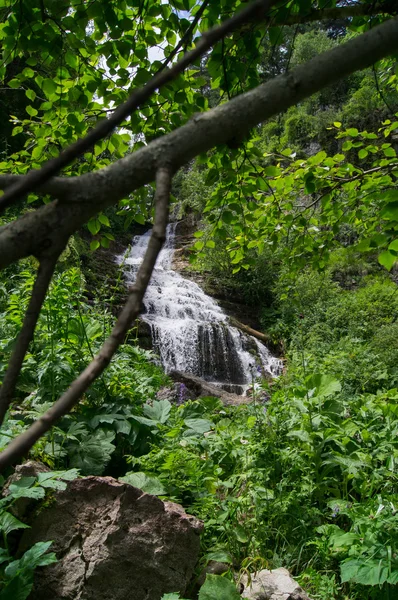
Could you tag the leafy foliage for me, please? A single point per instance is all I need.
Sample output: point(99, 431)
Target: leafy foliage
point(16, 575)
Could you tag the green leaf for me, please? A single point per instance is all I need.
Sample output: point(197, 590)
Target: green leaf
point(394, 246)
point(10, 523)
point(23, 489)
point(275, 35)
point(212, 176)
point(71, 60)
point(36, 556)
point(199, 425)
point(31, 111)
point(18, 587)
point(363, 153)
point(94, 245)
point(49, 87)
point(159, 411)
point(326, 385)
point(390, 211)
point(92, 453)
point(31, 94)
point(272, 171)
point(220, 556)
point(228, 217)
point(240, 534)
point(14, 83)
point(387, 260)
point(353, 132)
point(389, 152)
point(218, 588)
point(94, 226)
point(104, 220)
point(146, 483)
point(364, 571)
point(139, 218)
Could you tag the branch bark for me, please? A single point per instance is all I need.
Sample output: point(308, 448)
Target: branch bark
point(39, 291)
point(342, 12)
point(92, 192)
point(30, 182)
point(23, 443)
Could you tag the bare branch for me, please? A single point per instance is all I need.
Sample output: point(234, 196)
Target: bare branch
point(186, 38)
point(94, 191)
point(39, 291)
point(254, 11)
point(23, 443)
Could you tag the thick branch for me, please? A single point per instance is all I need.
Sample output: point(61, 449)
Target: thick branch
point(39, 291)
point(254, 11)
point(92, 192)
point(342, 12)
point(59, 187)
point(23, 443)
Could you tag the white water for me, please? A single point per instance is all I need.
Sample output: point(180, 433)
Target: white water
point(190, 332)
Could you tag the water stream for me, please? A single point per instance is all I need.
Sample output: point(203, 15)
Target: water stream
point(190, 332)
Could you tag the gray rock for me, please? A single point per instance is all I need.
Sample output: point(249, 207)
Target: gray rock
point(113, 541)
point(214, 568)
point(199, 387)
point(273, 585)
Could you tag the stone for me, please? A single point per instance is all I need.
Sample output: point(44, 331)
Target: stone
point(199, 387)
point(113, 541)
point(273, 585)
point(214, 567)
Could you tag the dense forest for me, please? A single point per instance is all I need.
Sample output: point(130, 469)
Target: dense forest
point(275, 137)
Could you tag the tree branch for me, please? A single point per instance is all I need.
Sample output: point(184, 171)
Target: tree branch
point(25, 336)
point(92, 192)
point(341, 12)
point(59, 187)
point(254, 11)
point(186, 38)
point(23, 443)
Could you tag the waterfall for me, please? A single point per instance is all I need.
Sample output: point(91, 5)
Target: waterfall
point(190, 332)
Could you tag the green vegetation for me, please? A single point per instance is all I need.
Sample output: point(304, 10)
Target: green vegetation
point(299, 221)
point(306, 480)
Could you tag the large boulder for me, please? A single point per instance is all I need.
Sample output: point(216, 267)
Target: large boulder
point(113, 541)
point(272, 585)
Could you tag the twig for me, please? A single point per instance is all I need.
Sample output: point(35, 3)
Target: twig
point(256, 10)
point(39, 291)
point(24, 442)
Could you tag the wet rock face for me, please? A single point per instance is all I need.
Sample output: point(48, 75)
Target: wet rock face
point(113, 541)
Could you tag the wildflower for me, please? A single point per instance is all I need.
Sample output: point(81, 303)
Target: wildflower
point(242, 441)
point(182, 394)
point(335, 512)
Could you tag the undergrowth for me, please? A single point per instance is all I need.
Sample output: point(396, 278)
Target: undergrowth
point(306, 480)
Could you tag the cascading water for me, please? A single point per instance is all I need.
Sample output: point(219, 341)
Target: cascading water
point(189, 330)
